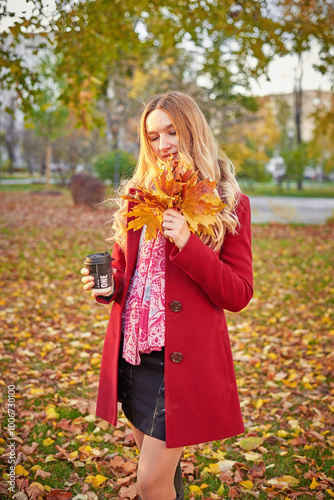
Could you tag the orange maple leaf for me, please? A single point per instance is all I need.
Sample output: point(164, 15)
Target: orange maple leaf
point(178, 188)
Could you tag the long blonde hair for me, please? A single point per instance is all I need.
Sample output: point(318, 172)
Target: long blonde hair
point(198, 147)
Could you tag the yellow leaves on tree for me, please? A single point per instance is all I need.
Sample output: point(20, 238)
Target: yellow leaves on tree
point(177, 188)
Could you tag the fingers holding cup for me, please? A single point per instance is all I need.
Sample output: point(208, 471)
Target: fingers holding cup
point(88, 280)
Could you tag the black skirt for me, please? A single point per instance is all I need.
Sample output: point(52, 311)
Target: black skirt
point(141, 389)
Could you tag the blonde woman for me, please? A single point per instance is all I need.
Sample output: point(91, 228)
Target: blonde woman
point(167, 354)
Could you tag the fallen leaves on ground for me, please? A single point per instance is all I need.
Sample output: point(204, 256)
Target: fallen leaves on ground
point(51, 343)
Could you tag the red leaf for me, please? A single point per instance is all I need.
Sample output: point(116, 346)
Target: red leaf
point(257, 470)
point(58, 495)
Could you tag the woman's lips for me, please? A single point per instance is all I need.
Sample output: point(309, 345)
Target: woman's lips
point(173, 155)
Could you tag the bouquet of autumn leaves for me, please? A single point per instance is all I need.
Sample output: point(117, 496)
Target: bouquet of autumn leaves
point(178, 188)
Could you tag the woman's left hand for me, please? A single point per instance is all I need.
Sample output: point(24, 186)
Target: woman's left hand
point(175, 227)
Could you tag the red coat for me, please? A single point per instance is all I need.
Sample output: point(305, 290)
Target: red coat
point(201, 395)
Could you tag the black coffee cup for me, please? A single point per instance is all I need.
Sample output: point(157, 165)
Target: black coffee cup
point(99, 265)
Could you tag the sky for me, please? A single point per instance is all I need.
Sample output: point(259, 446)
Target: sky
point(281, 70)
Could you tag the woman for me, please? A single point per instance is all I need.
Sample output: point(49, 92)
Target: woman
point(177, 385)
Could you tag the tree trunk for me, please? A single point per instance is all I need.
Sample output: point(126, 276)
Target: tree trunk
point(299, 99)
point(48, 156)
point(11, 143)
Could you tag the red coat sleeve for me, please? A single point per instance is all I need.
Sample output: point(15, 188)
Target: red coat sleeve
point(227, 276)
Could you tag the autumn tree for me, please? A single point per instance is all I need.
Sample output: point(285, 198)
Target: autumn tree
point(20, 47)
point(105, 55)
point(306, 23)
point(47, 116)
point(322, 144)
point(283, 119)
point(252, 140)
point(234, 40)
point(296, 160)
point(9, 124)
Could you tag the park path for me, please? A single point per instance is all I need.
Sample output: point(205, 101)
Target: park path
point(282, 209)
point(288, 210)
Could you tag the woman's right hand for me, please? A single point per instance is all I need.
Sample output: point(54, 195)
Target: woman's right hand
point(88, 281)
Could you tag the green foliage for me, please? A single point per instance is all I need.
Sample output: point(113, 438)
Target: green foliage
point(235, 42)
point(254, 171)
point(296, 160)
point(304, 22)
point(48, 115)
point(285, 188)
point(283, 117)
point(321, 147)
point(106, 165)
point(19, 45)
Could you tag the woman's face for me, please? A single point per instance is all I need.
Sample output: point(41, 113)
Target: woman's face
point(162, 135)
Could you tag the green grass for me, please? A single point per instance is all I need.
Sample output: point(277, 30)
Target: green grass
point(310, 189)
point(13, 188)
point(287, 330)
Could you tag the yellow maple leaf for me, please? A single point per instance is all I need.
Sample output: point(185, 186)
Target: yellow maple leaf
point(48, 442)
point(19, 470)
point(259, 403)
point(96, 481)
point(146, 216)
point(247, 484)
point(178, 188)
point(51, 412)
point(37, 391)
point(213, 469)
point(314, 484)
point(282, 433)
point(195, 489)
point(219, 455)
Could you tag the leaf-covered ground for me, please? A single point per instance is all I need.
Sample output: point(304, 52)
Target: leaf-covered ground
point(51, 343)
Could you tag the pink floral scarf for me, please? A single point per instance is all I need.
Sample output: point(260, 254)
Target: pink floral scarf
point(143, 320)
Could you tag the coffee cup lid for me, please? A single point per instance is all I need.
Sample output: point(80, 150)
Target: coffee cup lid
point(98, 258)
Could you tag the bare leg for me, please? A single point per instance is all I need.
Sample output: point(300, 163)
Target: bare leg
point(156, 468)
point(138, 435)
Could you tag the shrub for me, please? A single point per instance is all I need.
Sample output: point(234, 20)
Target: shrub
point(87, 190)
point(105, 165)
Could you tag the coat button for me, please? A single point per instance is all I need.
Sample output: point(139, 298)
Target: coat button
point(176, 357)
point(175, 306)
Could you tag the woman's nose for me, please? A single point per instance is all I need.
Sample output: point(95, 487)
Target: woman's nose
point(164, 144)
